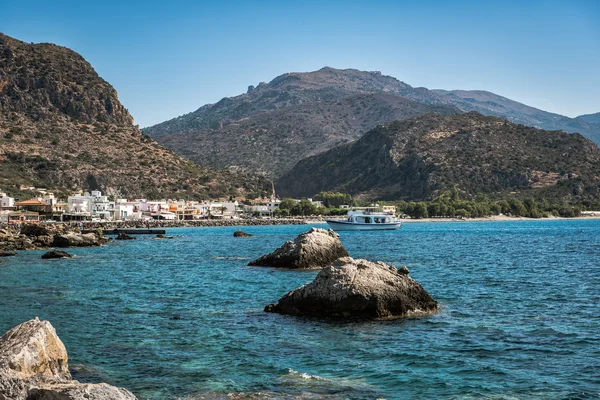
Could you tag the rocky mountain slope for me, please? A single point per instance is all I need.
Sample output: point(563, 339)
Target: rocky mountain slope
point(488, 103)
point(419, 157)
point(590, 118)
point(62, 127)
point(296, 115)
point(273, 141)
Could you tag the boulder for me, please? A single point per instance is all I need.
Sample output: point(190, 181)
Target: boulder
point(80, 391)
point(56, 254)
point(7, 253)
point(32, 229)
point(359, 288)
point(76, 239)
point(34, 365)
point(314, 249)
point(33, 348)
point(124, 236)
point(241, 234)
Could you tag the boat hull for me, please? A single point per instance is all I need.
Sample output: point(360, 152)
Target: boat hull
point(351, 226)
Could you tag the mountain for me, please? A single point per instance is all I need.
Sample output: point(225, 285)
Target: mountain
point(276, 140)
point(422, 156)
point(62, 127)
point(291, 89)
point(590, 118)
point(488, 103)
point(297, 115)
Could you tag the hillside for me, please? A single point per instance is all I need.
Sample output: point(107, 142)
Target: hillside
point(419, 157)
point(590, 118)
point(295, 108)
point(290, 89)
point(62, 127)
point(273, 141)
point(488, 103)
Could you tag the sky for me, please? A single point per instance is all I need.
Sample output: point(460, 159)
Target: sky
point(168, 58)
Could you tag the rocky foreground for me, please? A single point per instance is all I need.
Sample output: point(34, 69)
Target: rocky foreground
point(43, 236)
point(34, 366)
point(314, 249)
point(351, 288)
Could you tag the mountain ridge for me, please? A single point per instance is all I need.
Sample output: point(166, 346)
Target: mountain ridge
point(419, 158)
point(189, 134)
point(62, 127)
point(590, 118)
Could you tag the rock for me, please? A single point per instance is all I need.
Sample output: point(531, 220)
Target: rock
point(124, 236)
point(241, 234)
point(7, 253)
point(160, 236)
point(56, 254)
point(42, 229)
point(80, 391)
point(34, 366)
point(33, 348)
point(358, 289)
point(404, 270)
point(314, 249)
point(75, 239)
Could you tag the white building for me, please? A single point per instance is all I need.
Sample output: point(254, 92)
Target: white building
point(93, 205)
point(6, 202)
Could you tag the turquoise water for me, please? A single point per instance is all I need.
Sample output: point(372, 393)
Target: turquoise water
point(173, 318)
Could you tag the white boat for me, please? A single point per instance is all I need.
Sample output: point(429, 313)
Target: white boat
point(364, 221)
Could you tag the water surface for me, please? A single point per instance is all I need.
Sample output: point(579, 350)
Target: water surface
point(182, 317)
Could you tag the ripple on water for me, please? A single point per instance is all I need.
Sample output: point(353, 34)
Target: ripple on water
point(182, 318)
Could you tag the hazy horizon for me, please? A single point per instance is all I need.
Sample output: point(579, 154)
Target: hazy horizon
point(166, 60)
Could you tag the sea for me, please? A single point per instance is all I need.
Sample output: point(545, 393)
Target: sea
point(183, 318)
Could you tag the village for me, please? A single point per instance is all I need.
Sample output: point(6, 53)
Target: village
point(97, 207)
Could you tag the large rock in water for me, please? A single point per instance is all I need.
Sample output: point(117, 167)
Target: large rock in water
point(76, 239)
point(33, 365)
point(56, 254)
point(314, 249)
point(358, 289)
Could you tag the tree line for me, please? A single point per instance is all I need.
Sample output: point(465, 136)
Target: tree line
point(449, 204)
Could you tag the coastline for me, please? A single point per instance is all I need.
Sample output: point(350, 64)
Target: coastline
point(497, 218)
point(206, 223)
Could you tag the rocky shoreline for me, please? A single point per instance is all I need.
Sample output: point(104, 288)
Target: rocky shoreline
point(46, 236)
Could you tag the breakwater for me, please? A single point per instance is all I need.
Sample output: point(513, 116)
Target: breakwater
point(89, 225)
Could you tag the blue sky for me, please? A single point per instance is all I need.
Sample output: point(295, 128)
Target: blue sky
point(171, 57)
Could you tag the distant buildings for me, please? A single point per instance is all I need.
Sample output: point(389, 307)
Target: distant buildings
point(94, 206)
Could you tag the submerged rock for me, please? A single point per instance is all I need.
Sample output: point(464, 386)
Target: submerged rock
point(34, 365)
point(56, 254)
point(314, 249)
point(7, 253)
point(124, 236)
point(241, 234)
point(358, 289)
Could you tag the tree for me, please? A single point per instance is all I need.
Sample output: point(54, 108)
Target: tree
point(287, 204)
point(517, 208)
point(420, 210)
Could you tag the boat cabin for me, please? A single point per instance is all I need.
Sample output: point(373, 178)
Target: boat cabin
point(369, 218)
